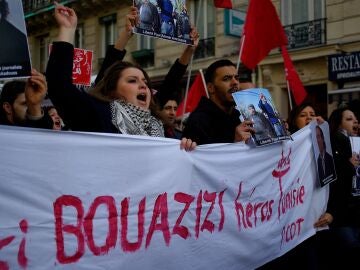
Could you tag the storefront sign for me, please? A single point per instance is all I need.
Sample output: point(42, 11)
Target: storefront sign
point(234, 22)
point(344, 67)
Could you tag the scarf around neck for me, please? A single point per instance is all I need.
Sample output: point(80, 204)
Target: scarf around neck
point(132, 120)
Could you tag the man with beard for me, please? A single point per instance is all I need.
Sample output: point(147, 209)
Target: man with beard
point(215, 120)
point(20, 102)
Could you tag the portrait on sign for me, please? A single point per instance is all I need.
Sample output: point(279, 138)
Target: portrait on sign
point(14, 56)
point(166, 19)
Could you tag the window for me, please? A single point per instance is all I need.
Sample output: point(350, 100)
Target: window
point(108, 32)
point(43, 45)
point(145, 42)
point(144, 56)
point(305, 23)
point(299, 11)
point(203, 15)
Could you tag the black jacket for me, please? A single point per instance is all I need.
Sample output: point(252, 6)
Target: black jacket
point(344, 207)
point(79, 110)
point(209, 124)
point(327, 169)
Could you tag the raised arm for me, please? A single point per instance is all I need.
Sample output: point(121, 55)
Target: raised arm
point(178, 69)
point(74, 106)
point(67, 22)
point(117, 52)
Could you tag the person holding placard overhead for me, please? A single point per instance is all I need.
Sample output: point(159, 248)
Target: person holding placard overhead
point(123, 103)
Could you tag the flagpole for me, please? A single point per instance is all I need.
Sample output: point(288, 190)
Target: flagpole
point(203, 81)
point(187, 84)
point(240, 52)
point(290, 101)
point(190, 68)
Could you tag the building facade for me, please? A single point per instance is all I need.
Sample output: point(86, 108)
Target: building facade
point(319, 31)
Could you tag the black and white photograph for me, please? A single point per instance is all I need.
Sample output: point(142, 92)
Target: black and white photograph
point(15, 56)
point(323, 153)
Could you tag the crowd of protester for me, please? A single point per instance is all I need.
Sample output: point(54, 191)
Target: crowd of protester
point(121, 101)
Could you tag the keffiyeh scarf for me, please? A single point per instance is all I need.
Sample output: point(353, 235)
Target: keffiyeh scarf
point(132, 120)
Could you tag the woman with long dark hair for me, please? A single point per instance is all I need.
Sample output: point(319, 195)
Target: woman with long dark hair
point(344, 203)
point(121, 101)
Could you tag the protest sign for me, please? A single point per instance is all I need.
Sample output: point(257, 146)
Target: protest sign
point(166, 19)
point(323, 153)
point(256, 105)
point(75, 200)
point(82, 66)
point(355, 146)
point(14, 49)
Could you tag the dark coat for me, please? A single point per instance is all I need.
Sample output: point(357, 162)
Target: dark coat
point(209, 124)
point(329, 166)
point(79, 110)
point(149, 17)
point(344, 207)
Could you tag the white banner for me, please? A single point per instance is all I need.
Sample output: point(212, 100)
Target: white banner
point(97, 201)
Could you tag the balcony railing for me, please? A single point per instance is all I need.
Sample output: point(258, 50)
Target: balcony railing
point(205, 48)
point(306, 34)
point(33, 6)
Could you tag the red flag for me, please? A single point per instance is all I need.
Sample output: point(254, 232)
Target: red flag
point(196, 91)
point(223, 4)
point(262, 32)
point(293, 79)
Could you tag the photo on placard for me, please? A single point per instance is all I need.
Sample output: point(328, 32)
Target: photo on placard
point(14, 49)
point(256, 105)
point(165, 19)
point(355, 147)
point(325, 165)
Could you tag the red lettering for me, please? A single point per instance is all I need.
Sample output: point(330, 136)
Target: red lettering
point(111, 237)
point(207, 224)
point(198, 214)
point(301, 194)
point(178, 229)
point(160, 209)
point(125, 244)
point(239, 208)
point(222, 212)
point(4, 242)
point(249, 211)
point(292, 198)
point(256, 207)
point(60, 228)
point(22, 259)
point(266, 210)
point(291, 230)
point(4, 265)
